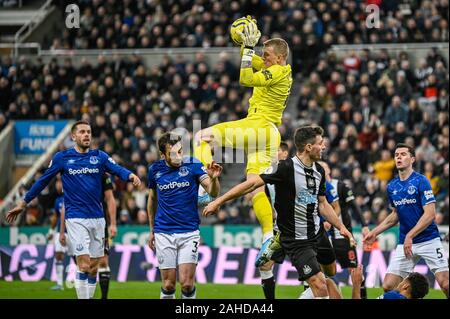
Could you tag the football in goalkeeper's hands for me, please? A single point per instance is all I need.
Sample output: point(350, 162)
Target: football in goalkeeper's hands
point(239, 25)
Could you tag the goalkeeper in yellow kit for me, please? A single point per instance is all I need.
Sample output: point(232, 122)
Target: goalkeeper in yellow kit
point(257, 134)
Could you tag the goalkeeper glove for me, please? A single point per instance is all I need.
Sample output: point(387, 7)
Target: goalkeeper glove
point(250, 36)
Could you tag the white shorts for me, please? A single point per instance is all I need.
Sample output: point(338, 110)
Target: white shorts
point(87, 236)
point(175, 249)
point(67, 249)
point(431, 251)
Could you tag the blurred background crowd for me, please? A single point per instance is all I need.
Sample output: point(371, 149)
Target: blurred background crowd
point(366, 102)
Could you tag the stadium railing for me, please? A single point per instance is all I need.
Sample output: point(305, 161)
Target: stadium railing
point(27, 28)
point(14, 195)
point(415, 51)
point(7, 158)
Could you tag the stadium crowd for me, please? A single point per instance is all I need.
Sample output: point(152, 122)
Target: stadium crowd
point(366, 102)
point(310, 26)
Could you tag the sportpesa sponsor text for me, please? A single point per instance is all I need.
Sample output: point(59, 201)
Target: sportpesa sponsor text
point(405, 201)
point(84, 170)
point(173, 185)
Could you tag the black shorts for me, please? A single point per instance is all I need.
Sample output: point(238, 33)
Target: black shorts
point(303, 257)
point(106, 240)
point(345, 254)
point(325, 251)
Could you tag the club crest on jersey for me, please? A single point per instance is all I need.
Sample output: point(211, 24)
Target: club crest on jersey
point(183, 171)
point(411, 190)
point(310, 183)
point(93, 160)
point(306, 269)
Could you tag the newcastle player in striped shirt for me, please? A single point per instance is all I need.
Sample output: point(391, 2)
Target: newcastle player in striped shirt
point(300, 196)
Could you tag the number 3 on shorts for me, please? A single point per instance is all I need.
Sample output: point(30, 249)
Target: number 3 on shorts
point(195, 246)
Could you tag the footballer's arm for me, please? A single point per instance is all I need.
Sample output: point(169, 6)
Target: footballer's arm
point(239, 190)
point(327, 211)
point(211, 185)
point(62, 226)
point(390, 221)
point(151, 203)
point(258, 79)
point(257, 61)
point(336, 207)
point(429, 214)
point(112, 212)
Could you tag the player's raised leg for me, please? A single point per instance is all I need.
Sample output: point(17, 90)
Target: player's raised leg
point(202, 145)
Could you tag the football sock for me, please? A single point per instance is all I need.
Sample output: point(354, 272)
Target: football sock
point(268, 284)
point(307, 294)
point(81, 285)
point(167, 294)
point(363, 290)
point(104, 276)
point(59, 272)
point(263, 212)
point(202, 152)
point(189, 295)
point(92, 284)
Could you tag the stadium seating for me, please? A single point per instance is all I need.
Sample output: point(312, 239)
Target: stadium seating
point(366, 102)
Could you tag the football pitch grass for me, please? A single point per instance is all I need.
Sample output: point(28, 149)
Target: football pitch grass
point(150, 290)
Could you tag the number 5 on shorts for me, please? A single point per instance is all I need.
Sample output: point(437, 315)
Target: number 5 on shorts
point(439, 253)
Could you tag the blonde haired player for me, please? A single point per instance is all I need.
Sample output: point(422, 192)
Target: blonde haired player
point(257, 134)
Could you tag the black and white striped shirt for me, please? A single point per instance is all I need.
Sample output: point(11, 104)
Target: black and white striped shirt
point(297, 191)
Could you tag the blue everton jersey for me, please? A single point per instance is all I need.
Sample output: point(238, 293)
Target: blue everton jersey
point(393, 294)
point(177, 192)
point(408, 198)
point(59, 203)
point(81, 175)
point(331, 193)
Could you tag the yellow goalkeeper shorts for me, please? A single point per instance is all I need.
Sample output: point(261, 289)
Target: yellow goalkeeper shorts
point(258, 138)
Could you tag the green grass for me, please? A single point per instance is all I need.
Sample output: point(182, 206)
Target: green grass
point(150, 290)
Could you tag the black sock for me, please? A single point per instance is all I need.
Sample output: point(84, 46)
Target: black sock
point(363, 290)
point(268, 286)
point(104, 283)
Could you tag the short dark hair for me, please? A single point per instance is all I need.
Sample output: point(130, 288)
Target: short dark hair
point(75, 125)
point(306, 134)
point(167, 138)
point(284, 146)
point(419, 285)
point(410, 148)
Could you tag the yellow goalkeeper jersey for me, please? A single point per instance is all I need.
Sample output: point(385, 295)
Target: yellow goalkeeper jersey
point(271, 88)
